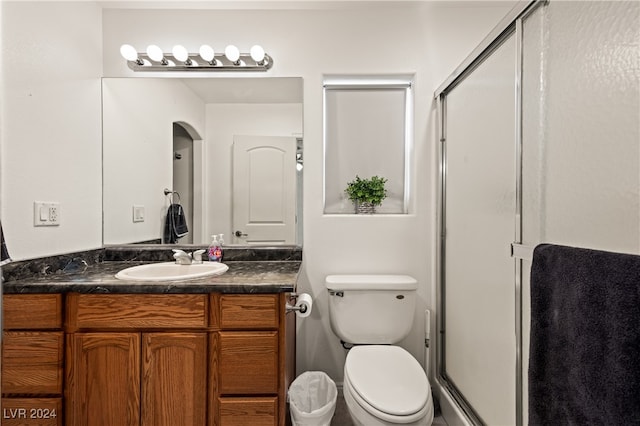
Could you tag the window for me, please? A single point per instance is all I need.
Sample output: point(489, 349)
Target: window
point(367, 132)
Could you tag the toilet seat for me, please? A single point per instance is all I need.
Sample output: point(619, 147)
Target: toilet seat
point(387, 382)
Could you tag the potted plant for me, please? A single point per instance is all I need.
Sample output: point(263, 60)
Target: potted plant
point(366, 194)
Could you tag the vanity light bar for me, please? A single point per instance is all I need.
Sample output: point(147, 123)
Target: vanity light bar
point(154, 59)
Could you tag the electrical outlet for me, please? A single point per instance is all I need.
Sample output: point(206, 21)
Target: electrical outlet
point(53, 214)
point(138, 213)
point(46, 213)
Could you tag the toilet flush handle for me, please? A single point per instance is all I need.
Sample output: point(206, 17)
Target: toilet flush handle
point(240, 234)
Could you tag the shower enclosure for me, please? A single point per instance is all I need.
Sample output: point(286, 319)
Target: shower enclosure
point(539, 133)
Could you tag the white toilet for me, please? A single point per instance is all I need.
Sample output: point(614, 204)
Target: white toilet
point(383, 384)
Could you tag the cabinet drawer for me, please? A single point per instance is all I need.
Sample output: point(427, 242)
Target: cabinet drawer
point(248, 362)
point(243, 311)
point(136, 311)
point(248, 411)
point(32, 311)
point(31, 411)
point(32, 362)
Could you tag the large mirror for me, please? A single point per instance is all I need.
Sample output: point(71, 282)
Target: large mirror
point(203, 156)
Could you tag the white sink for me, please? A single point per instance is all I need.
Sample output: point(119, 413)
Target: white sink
point(171, 271)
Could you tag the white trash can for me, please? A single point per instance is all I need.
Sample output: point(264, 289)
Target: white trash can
point(312, 399)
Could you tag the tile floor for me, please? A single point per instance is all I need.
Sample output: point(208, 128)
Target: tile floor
point(342, 417)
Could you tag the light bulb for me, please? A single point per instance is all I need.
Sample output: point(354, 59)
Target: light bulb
point(129, 52)
point(155, 53)
point(207, 53)
point(232, 53)
point(257, 54)
point(180, 53)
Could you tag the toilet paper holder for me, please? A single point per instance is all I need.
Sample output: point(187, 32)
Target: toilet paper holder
point(302, 309)
point(291, 308)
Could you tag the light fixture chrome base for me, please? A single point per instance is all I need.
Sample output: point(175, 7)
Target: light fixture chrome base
point(196, 63)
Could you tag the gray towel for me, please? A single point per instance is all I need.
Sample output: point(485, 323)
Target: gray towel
point(584, 363)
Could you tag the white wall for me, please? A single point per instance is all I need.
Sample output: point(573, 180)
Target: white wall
point(223, 122)
point(457, 27)
point(51, 135)
point(347, 38)
point(138, 151)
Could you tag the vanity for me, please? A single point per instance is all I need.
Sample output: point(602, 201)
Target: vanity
point(81, 347)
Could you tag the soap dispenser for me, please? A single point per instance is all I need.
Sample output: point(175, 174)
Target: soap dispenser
point(221, 241)
point(215, 251)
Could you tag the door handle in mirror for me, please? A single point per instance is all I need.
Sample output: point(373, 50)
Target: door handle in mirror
point(240, 234)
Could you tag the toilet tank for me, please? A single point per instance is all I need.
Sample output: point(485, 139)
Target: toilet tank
point(371, 309)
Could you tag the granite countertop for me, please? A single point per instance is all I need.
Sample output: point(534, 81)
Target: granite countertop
point(94, 274)
point(242, 277)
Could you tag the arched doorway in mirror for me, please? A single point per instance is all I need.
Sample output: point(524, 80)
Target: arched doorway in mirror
point(187, 178)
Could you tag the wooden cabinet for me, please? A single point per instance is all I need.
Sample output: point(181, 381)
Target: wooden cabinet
point(137, 378)
point(248, 411)
point(249, 312)
point(32, 411)
point(174, 364)
point(147, 359)
point(248, 362)
point(136, 311)
point(249, 357)
point(32, 360)
point(145, 373)
point(103, 380)
point(32, 311)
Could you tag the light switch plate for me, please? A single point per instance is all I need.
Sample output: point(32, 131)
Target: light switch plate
point(138, 213)
point(46, 213)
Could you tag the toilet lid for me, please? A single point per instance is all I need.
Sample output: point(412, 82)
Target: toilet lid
point(388, 378)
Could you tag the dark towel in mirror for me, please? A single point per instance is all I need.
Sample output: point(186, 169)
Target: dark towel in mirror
point(175, 224)
point(584, 360)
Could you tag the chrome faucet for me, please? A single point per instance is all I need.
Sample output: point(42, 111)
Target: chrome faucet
point(184, 258)
point(181, 257)
point(197, 256)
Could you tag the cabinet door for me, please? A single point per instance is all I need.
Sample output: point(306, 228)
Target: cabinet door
point(103, 379)
point(174, 382)
point(248, 362)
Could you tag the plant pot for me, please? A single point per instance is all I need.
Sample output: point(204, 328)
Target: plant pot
point(363, 207)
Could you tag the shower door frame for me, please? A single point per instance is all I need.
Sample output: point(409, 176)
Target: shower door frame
point(510, 25)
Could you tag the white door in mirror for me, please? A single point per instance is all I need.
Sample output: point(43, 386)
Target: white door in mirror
point(264, 189)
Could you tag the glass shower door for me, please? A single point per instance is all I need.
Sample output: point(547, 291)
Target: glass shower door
point(478, 273)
